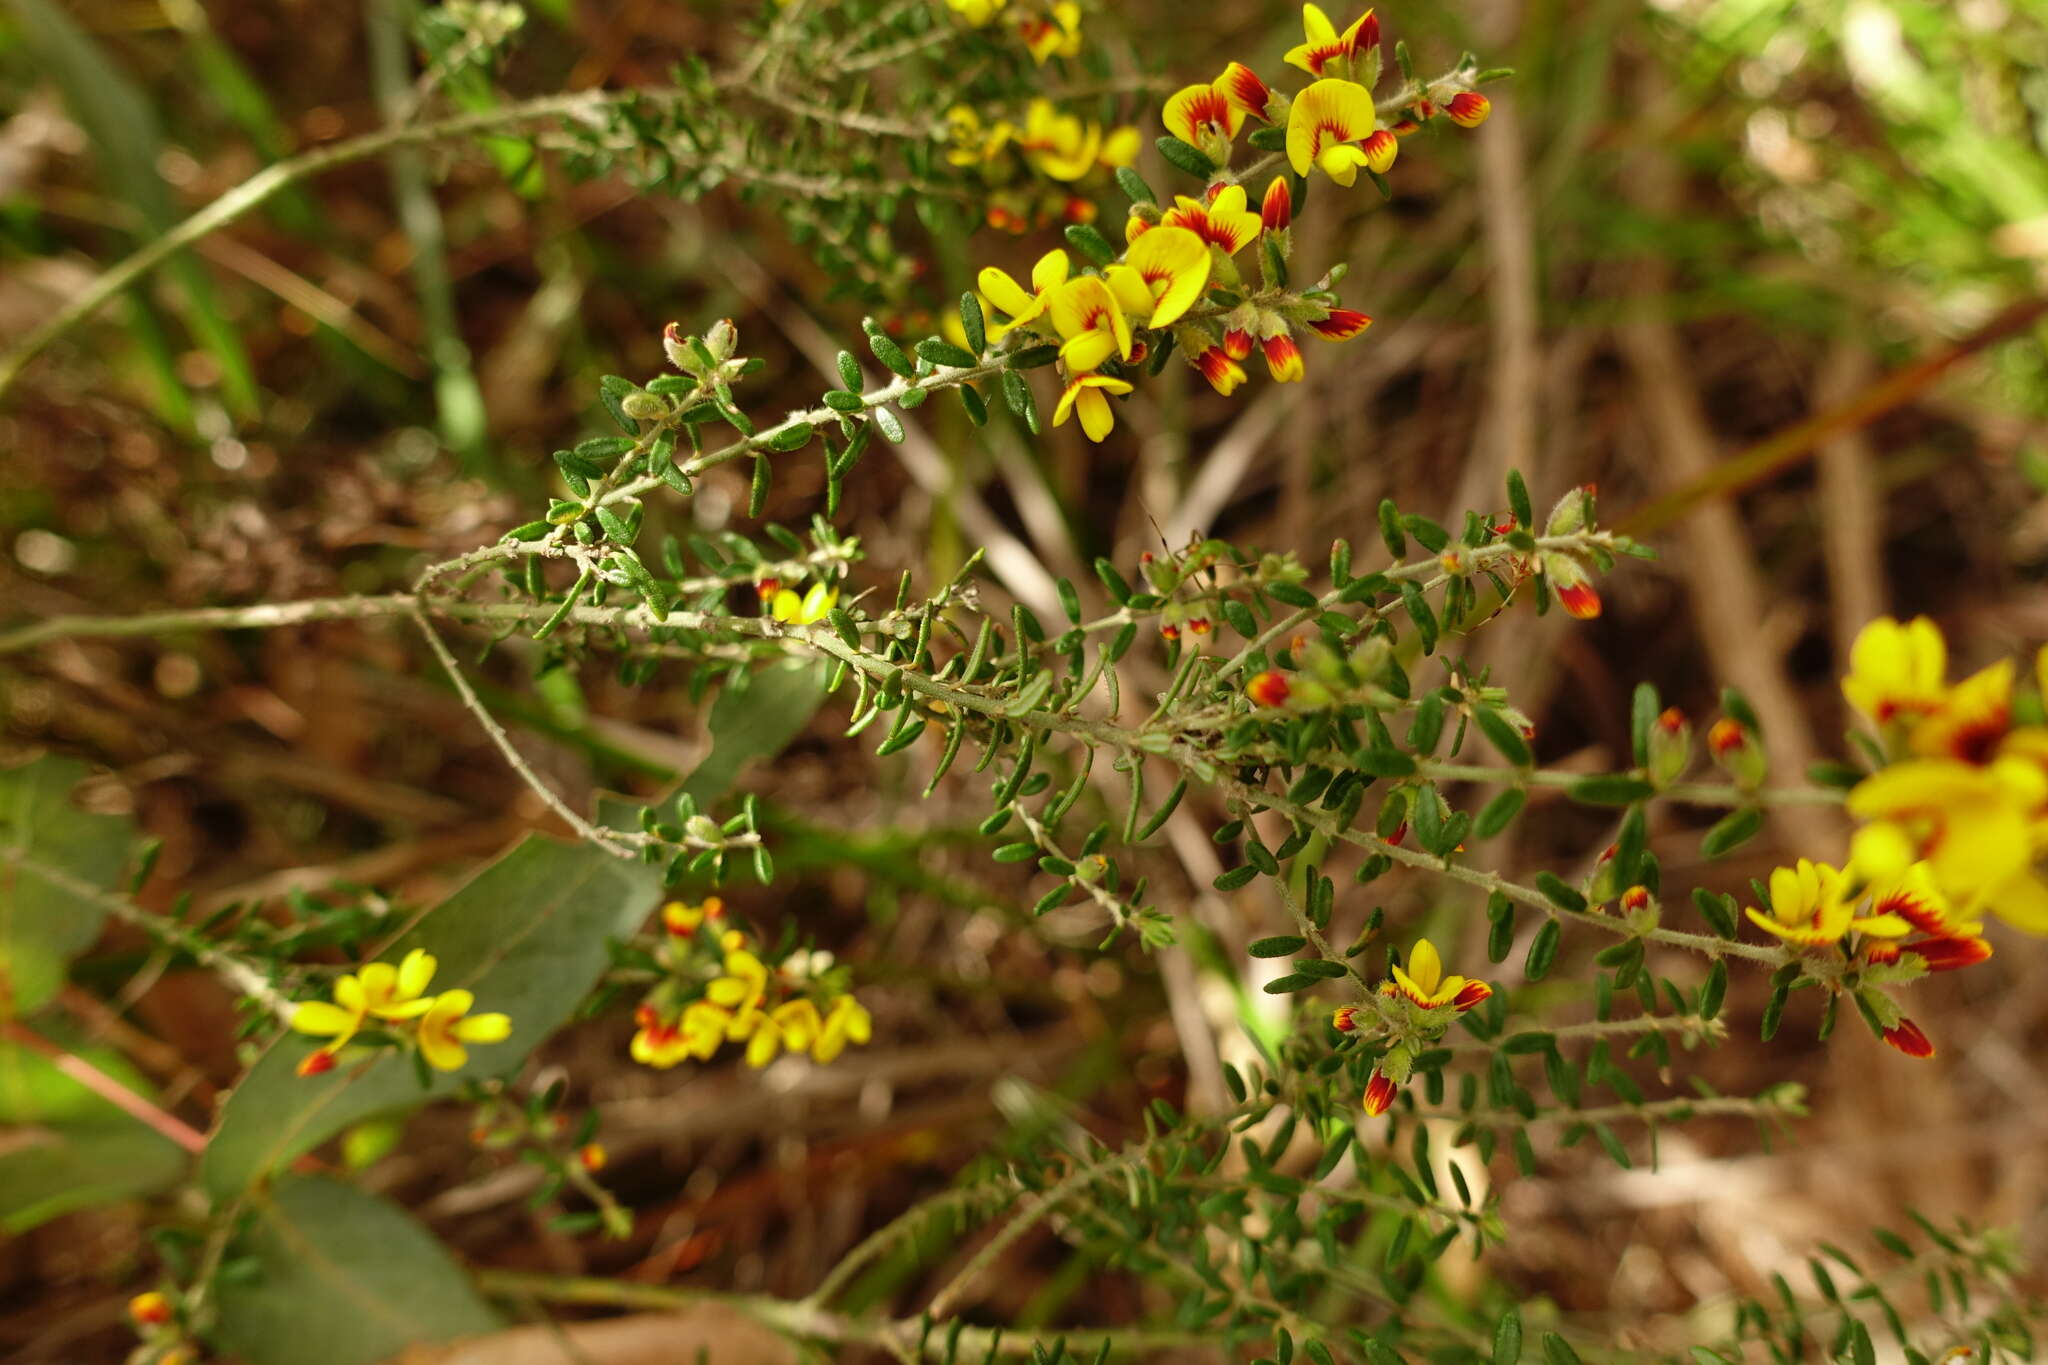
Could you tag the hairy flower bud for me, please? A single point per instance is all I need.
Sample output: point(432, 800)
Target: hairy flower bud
point(721, 340)
point(1269, 688)
point(1736, 750)
point(1572, 586)
point(1670, 747)
point(1276, 210)
point(643, 406)
point(1572, 512)
point(678, 348)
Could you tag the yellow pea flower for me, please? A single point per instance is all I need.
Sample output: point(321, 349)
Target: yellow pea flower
point(1979, 827)
point(1060, 146)
point(807, 610)
point(1205, 116)
point(1897, 669)
point(974, 143)
point(1161, 276)
point(448, 1024)
point(1326, 127)
point(1085, 394)
point(1325, 47)
point(1090, 322)
point(1058, 35)
point(1813, 903)
point(846, 1022)
point(1970, 719)
point(1224, 222)
point(1012, 298)
point(378, 991)
point(1423, 982)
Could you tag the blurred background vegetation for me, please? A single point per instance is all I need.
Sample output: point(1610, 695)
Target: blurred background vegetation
point(1689, 226)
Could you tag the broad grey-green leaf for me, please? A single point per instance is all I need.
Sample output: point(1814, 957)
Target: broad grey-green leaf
point(65, 1147)
point(342, 1276)
point(755, 718)
point(42, 927)
point(527, 935)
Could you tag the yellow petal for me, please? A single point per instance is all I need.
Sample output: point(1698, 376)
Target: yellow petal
point(415, 973)
point(1096, 417)
point(321, 1019)
point(1177, 259)
point(484, 1028)
point(1049, 271)
point(1425, 967)
point(1316, 25)
point(2022, 902)
point(1006, 294)
point(1327, 113)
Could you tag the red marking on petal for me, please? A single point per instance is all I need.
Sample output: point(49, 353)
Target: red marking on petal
point(1379, 1093)
point(1473, 993)
point(1908, 1039)
point(1269, 688)
point(317, 1063)
point(1951, 954)
point(1342, 324)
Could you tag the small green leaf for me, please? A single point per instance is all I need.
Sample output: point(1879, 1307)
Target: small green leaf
point(1731, 831)
point(1280, 945)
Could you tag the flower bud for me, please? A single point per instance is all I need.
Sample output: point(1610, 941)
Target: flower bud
point(1223, 373)
point(1573, 512)
point(643, 406)
point(1379, 1093)
point(592, 1157)
point(1736, 750)
point(1907, 1038)
point(149, 1310)
point(1468, 108)
point(1345, 1020)
point(1276, 210)
point(1951, 954)
point(317, 1063)
point(1635, 898)
point(1572, 586)
point(678, 348)
point(1269, 688)
point(721, 340)
point(1670, 747)
point(1380, 148)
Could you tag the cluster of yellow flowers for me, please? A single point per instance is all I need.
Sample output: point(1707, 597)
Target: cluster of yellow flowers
point(1053, 145)
point(1178, 274)
point(384, 997)
point(1965, 790)
point(1432, 1001)
point(1054, 31)
point(1952, 824)
point(719, 990)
